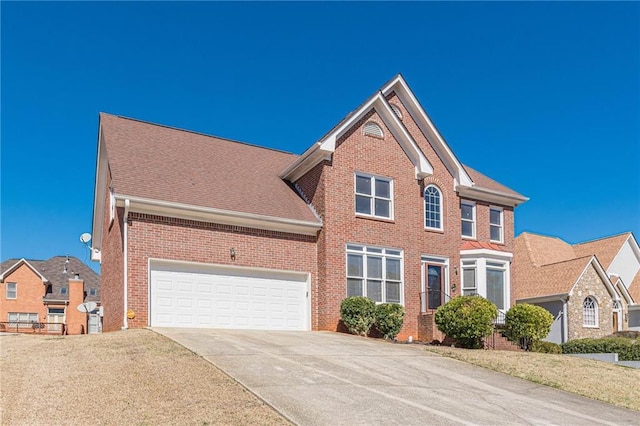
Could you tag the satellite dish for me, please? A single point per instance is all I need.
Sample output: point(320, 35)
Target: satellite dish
point(87, 307)
point(85, 238)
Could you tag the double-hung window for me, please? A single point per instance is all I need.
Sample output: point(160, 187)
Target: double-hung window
point(374, 196)
point(468, 216)
point(12, 291)
point(375, 273)
point(496, 224)
point(23, 319)
point(469, 282)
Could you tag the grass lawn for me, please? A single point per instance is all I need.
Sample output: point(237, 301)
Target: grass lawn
point(599, 380)
point(132, 377)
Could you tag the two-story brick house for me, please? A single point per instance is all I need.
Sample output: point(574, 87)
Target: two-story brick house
point(43, 296)
point(198, 231)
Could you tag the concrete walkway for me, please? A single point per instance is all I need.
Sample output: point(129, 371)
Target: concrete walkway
point(322, 378)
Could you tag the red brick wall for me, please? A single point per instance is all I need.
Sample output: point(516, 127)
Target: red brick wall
point(76, 320)
point(112, 268)
point(330, 188)
point(31, 290)
point(177, 239)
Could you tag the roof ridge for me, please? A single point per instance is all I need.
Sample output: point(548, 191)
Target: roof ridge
point(166, 126)
point(542, 235)
point(568, 260)
point(602, 238)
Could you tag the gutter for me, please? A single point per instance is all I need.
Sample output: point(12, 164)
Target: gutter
point(125, 320)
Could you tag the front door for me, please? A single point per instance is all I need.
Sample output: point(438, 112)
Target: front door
point(434, 286)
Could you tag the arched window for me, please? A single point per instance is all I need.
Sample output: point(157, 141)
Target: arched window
point(372, 129)
point(590, 312)
point(432, 207)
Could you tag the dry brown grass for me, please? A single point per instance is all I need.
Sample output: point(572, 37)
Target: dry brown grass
point(127, 377)
point(598, 380)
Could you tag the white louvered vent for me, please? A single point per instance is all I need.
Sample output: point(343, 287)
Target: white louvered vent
point(396, 111)
point(372, 129)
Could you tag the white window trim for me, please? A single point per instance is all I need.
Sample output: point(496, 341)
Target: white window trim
point(424, 209)
point(428, 259)
point(469, 265)
point(596, 313)
point(501, 226)
point(363, 250)
point(373, 197)
point(472, 204)
point(481, 273)
point(7, 291)
point(112, 206)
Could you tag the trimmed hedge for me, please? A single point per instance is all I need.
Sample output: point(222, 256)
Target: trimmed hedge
point(627, 349)
point(389, 319)
point(358, 314)
point(527, 324)
point(541, 346)
point(467, 319)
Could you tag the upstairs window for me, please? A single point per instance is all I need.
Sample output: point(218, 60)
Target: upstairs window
point(63, 290)
point(432, 208)
point(93, 292)
point(374, 196)
point(496, 224)
point(590, 312)
point(468, 216)
point(12, 291)
point(373, 129)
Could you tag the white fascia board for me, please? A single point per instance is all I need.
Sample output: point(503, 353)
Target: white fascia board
point(422, 166)
point(213, 215)
point(541, 299)
point(16, 265)
point(601, 272)
point(622, 289)
point(475, 253)
point(428, 129)
point(102, 168)
point(490, 195)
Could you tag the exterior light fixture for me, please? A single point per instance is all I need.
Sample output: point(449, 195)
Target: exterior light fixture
point(232, 253)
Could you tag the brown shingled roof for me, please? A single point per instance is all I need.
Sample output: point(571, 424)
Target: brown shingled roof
point(163, 163)
point(544, 250)
point(634, 289)
point(605, 248)
point(486, 182)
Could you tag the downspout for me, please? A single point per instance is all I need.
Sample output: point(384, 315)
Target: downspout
point(125, 321)
point(565, 322)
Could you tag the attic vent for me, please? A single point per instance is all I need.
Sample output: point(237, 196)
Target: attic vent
point(372, 129)
point(396, 111)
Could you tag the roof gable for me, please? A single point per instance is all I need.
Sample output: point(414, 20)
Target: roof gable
point(605, 248)
point(17, 264)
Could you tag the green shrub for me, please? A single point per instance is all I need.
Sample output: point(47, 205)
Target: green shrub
point(358, 314)
point(389, 319)
point(467, 319)
point(527, 324)
point(629, 334)
point(546, 347)
point(627, 349)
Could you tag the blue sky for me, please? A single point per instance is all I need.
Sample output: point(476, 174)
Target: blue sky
point(543, 97)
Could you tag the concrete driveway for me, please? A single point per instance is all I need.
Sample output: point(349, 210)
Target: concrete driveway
point(322, 378)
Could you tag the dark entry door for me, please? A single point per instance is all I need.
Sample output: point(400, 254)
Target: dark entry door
point(434, 285)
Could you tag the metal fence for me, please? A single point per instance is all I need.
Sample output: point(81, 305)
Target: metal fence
point(33, 327)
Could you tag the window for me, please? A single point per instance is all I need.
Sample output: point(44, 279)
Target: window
point(374, 196)
point(93, 292)
point(468, 211)
point(12, 291)
point(372, 129)
point(375, 273)
point(63, 290)
point(432, 208)
point(495, 220)
point(469, 285)
point(590, 312)
point(23, 319)
point(495, 283)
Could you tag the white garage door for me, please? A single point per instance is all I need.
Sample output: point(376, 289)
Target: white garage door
point(218, 297)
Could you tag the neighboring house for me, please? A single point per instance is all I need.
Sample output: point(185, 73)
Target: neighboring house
point(199, 231)
point(591, 288)
point(47, 293)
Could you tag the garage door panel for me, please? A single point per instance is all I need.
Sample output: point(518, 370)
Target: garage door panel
point(234, 299)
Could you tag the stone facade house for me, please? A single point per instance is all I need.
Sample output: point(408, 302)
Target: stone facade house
point(587, 287)
point(199, 231)
point(43, 296)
